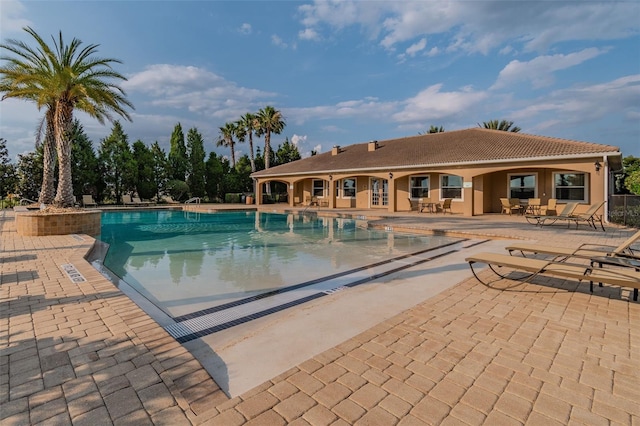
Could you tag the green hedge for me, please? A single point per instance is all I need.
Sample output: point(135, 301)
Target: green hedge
point(233, 198)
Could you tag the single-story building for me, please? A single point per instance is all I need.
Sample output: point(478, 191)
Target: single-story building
point(473, 167)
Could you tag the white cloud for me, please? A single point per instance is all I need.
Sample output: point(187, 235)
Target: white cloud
point(476, 26)
point(432, 104)
point(367, 108)
point(332, 129)
point(195, 90)
point(540, 70)
point(245, 28)
point(318, 148)
point(277, 41)
point(583, 105)
point(297, 139)
point(416, 47)
point(309, 34)
point(11, 20)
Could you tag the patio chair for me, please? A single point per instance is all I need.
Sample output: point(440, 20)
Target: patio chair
point(88, 201)
point(515, 202)
point(626, 277)
point(586, 250)
point(507, 207)
point(446, 205)
point(415, 205)
point(550, 208)
point(540, 219)
point(533, 206)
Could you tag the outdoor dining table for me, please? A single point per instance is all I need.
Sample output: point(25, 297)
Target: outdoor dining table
point(429, 205)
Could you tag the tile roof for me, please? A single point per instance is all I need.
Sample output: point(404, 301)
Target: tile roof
point(475, 145)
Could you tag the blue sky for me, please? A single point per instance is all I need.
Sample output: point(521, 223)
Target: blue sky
point(345, 72)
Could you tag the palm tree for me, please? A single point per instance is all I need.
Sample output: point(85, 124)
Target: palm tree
point(225, 138)
point(239, 131)
point(248, 123)
point(503, 125)
point(64, 77)
point(47, 190)
point(270, 120)
point(433, 129)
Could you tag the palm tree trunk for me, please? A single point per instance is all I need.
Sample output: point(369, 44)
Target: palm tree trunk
point(252, 157)
point(64, 117)
point(47, 192)
point(267, 149)
point(233, 154)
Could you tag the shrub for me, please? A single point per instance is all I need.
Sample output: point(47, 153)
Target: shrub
point(232, 197)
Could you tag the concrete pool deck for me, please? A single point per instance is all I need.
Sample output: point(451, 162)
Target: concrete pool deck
point(544, 353)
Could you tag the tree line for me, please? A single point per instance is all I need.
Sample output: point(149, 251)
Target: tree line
point(118, 167)
point(64, 77)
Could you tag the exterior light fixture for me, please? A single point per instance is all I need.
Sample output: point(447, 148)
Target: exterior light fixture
point(390, 175)
point(597, 165)
point(330, 177)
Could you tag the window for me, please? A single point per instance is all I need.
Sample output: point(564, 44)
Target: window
point(522, 186)
point(570, 186)
point(348, 188)
point(419, 186)
point(318, 188)
point(451, 186)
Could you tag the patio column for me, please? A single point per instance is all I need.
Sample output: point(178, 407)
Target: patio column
point(332, 193)
point(392, 194)
point(258, 192)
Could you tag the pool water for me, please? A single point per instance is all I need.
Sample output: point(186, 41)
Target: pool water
point(185, 261)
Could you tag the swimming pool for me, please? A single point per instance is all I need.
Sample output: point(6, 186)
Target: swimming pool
point(192, 264)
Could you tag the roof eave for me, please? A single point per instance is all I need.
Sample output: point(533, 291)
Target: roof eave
point(603, 155)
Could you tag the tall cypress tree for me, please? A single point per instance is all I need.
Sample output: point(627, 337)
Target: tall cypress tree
point(84, 163)
point(159, 167)
point(145, 184)
point(119, 167)
point(195, 149)
point(8, 174)
point(178, 161)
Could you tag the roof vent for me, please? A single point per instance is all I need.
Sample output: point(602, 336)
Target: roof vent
point(335, 150)
point(373, 145)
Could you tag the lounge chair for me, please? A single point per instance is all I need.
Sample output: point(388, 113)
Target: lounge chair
point(590, 216)
point(169, 200)
point(623, 277)
point(139, 202)
point(540, 219)
point(587, 250)
point(88, 201)
point(127, 201)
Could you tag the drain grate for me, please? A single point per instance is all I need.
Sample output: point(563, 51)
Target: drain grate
point(73, 273)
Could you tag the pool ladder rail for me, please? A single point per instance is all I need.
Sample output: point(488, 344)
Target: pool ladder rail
point(193, 201)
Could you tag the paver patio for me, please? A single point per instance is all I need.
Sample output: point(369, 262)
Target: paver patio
point(543, 353)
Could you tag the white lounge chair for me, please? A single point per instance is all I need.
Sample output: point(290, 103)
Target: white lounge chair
point(88, 201)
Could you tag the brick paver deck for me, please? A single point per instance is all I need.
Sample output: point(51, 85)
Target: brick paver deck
point(544, 353)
